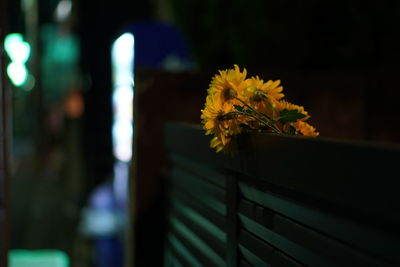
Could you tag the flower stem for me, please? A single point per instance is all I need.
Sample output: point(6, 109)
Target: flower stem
point(266, 123)
point(269, 122)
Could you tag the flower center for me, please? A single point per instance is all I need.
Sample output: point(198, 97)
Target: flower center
point(229, 93)
point(259, 96)
point(221, 116)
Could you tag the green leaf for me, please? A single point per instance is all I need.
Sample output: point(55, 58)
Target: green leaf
point(239, 108)
point(243, 110)
point(290, 116)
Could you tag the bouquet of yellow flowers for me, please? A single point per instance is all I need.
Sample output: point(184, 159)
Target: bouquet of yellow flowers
point(236, 104)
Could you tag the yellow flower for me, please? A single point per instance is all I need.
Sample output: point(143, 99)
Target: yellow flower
point(228, 84)
point(218, 118)
point(300, 125)
point(305, 129)
point(235, 104)
point(271, 89)
point(282, 105)
point(217, 144)
point(263, 97)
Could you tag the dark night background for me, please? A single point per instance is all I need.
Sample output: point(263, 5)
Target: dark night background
point(340, 59)
point(305, 42)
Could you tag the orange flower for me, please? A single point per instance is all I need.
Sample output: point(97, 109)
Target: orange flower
point(282, 105)
point(263, 97)
point(271, 89)
point(235, 103)
point(219, 118)
point(305, 129)
point(228, 84)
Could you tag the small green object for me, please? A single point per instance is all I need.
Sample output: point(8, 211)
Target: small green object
point(37, 258)
point(238, 108)
point(290, 116)
point(243, 110)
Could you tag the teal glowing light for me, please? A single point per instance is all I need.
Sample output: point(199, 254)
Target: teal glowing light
point(11, 41)
point(17, 49)
point(17, 73)
point(38, 258)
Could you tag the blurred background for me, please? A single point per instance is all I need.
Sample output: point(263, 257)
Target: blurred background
point(92, 82)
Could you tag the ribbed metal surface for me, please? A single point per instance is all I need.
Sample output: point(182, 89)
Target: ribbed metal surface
point(312, 236)
point(196, 215)
point(234, 211)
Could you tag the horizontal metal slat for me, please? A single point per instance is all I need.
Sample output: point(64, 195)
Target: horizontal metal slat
point(249, 256)
point(301, 242)
point(173, 258)
point(195, 244)
point(207, 193)
point(365, 239)
point(198, 169)
point(182, 252)
point(204, 233)
point(202, 206)
point(199, 220)
point(290, 248)
point(338, 173)
point(262, 252)
point(196, 184)
point(197, 257)
point(359, 178)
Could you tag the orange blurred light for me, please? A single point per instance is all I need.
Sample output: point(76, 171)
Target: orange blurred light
point(74, 105)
